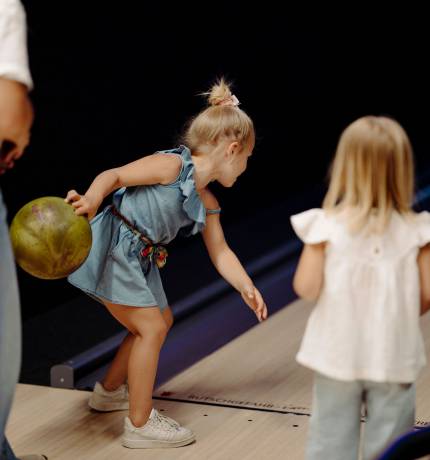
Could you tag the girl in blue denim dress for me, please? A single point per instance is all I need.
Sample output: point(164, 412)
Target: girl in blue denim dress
point(158, 197)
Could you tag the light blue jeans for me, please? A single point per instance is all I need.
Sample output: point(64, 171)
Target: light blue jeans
point(6, 452)
point(10, 331)
point(335, 424)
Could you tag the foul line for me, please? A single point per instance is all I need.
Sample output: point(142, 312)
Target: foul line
point(419, 424)
point(233, 406)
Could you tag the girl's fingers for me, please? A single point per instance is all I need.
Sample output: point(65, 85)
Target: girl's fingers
point(259, 301)
point(80, 207)
point(261, 314)
point(12, 155)
point(69, 195)
point(255, 301)
point(262, 311)
point(77, 204)
point(81, 211)
point(72, 195)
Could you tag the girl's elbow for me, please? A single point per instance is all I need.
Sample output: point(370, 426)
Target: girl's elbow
point(306, 291)
point(309, 295)
point(115, 177)
point(425, 304)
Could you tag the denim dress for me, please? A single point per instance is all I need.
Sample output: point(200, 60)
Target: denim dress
point(117, 268)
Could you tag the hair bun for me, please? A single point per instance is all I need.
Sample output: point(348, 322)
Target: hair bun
point(220, 94)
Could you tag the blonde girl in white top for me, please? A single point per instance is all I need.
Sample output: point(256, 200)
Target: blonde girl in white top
point(366, 262)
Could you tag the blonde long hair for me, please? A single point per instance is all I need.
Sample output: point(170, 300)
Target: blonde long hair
point(372, 174)
point(222, 119)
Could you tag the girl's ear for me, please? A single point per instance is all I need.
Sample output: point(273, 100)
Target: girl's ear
point(232, 149)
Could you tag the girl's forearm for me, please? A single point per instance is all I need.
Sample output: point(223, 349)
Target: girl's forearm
point(309, 277)
point(230, 268)
point(104, 184)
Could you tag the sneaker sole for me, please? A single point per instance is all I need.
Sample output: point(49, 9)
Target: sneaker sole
point(152, 444)
point(108, 407)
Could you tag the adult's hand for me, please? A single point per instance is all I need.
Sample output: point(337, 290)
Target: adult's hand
point(16, 118)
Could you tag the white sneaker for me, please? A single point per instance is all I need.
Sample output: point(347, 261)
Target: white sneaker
point(107, 401)
point(159, 431)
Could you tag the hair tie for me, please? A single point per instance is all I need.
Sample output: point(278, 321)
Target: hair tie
point(232, 101)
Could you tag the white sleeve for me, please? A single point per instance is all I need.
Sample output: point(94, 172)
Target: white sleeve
point(423, 226)
point(311, 226)
point(13, 43)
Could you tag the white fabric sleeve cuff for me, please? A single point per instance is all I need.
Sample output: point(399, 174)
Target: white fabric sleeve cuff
point(311, 226)
point(423, 221)
point(13, 43)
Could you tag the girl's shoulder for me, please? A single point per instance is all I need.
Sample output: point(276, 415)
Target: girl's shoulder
point(178, 163)
point(171, 166)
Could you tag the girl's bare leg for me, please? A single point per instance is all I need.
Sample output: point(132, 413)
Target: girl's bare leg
point(117, 372)
point(149, 329)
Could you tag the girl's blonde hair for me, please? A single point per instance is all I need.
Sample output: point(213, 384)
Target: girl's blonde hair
point(372, 173)
point(222, 119)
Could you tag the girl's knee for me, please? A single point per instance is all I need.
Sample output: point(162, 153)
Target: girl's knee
point(168, 318)
point(154, 331)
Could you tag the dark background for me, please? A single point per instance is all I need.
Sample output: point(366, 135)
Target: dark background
point(113, 83)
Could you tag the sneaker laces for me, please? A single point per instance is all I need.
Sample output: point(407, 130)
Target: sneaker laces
point(169, 420)
point(165, 422)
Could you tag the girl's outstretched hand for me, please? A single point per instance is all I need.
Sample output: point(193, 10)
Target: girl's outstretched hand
point(255, 302)
point(83, 204)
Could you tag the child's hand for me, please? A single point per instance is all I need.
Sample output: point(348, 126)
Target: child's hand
point(83, 204)
point(255, 302)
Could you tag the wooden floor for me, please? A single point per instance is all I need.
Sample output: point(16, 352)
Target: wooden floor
point(248, 400)
point(57, 423)
point(259, 369)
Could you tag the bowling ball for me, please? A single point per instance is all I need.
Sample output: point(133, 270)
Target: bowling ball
point(49, 240)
